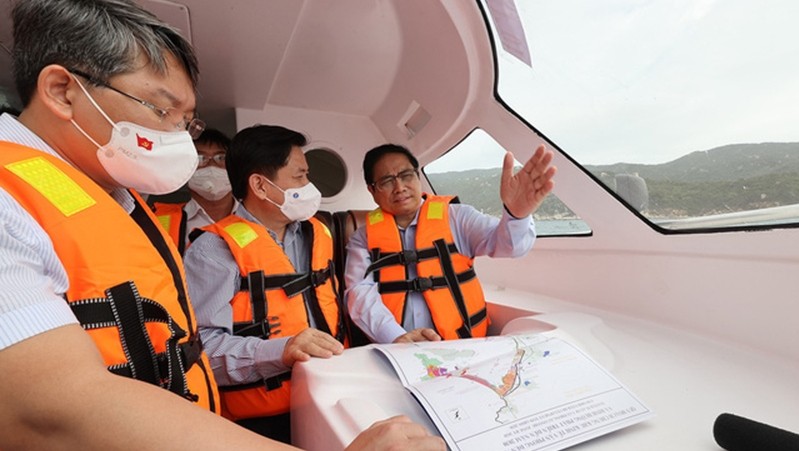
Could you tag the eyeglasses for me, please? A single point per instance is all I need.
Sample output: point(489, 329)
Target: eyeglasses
point(205, 160)
point(385, 184)
point(194, 126)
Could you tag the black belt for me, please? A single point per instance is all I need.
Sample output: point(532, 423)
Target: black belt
point(292, 284)
point(421, 284)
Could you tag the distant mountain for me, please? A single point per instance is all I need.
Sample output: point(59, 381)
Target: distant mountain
point(726, 163)
point(730, 178)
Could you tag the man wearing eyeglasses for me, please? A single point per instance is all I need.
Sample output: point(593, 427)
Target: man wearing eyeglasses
point(409, 272)
point(211, 198)
point(98, 341)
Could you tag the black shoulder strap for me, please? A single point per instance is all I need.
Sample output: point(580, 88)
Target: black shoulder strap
point(154, 234)
point(309, 296)
point(182, 232)
point(455, 289)
point(194, 234)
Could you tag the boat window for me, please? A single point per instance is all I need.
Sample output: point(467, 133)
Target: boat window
point(472, 170)
point(326, 170)
point(685, 110)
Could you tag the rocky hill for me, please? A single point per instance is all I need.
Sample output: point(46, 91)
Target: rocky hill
point(725, 179)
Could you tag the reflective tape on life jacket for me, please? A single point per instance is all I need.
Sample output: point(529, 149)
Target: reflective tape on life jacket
point(173, 219)
point(126, 280)
point(445, 277)
point(272, 300)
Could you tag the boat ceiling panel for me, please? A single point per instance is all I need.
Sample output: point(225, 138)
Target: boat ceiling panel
point(239, 61)
point(370, 58)
point(343, 57)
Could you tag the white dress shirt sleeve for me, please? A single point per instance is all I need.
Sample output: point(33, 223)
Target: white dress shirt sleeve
point(213, 278)
point(364, 303)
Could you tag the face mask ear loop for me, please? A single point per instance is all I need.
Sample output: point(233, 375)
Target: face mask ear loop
point(85, 134)
point(281, 190)
point(91, 99)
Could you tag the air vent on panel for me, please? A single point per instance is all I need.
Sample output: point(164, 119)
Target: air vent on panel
point(414, 120)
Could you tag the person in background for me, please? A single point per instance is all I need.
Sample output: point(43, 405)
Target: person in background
point(262, 280)
point(211, 198)
point(409, 272)
point(98, 341)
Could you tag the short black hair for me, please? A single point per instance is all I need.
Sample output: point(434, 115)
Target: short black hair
point(374, 155)
point(213, 137)
point(261, 149)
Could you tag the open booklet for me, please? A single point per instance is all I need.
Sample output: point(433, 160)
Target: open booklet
point(513, 393)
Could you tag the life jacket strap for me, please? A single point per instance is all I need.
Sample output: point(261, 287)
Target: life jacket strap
point(312, 301)
point(189, 353)
point(474, 320)
point(181, 244)
point(405, 257)
point(454, 286)
point(262, 325)
point(421, 284)
point(292, 284)
point(194, 234)
point(263, 329)
point(270, 383)
point(126, 310)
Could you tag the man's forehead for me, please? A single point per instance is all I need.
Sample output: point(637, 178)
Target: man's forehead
point(392, 162)
point(209, 148)
point(296, 160)
point(171, 85)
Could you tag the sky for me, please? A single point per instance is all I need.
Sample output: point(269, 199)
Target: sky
point(642, 81)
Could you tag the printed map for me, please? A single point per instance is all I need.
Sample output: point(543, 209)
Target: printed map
point(529, 392)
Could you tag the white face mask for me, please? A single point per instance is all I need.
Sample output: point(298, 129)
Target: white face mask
point(299, 204)
point(149, 161)
point(210, 182)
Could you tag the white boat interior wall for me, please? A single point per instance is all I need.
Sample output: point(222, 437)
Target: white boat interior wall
point(333, 71)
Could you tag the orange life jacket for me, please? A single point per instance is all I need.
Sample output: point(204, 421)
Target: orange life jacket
point(445, 277)
point(173, 219)
point(271, 303)
point(126, 281)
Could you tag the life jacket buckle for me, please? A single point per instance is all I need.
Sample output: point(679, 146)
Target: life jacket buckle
point(268, 325)
point(408, 256)
point(421, 284)
point(318, 277)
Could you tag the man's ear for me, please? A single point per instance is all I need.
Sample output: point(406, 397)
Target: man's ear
point(258, 185)
point(57, 89)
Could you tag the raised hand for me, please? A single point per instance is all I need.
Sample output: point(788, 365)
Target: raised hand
point(523, 192)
